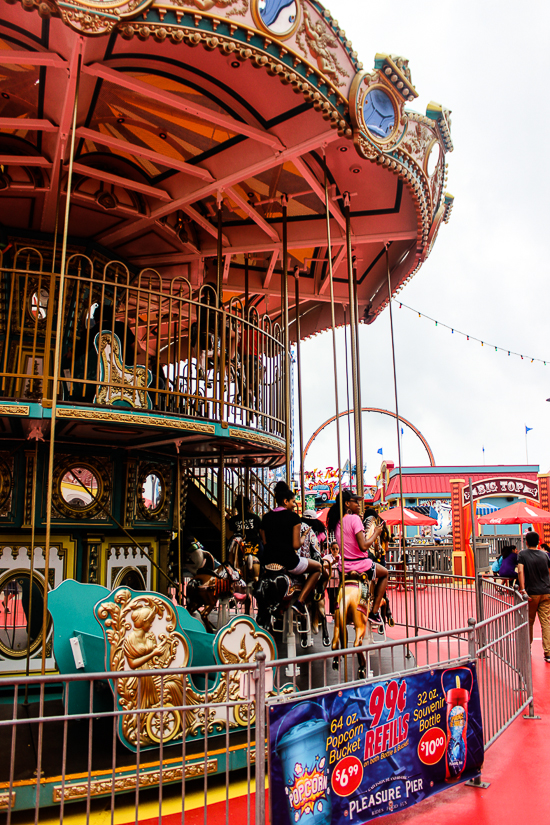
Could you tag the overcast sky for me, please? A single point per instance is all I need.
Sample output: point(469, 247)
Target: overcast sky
point(488, 272)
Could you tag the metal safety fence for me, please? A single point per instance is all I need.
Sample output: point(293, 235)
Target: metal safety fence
point(190, 730)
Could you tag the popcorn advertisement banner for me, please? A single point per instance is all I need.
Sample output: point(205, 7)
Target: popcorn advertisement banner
point(351, 755)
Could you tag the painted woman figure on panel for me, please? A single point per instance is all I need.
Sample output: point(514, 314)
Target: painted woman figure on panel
point(144, 652)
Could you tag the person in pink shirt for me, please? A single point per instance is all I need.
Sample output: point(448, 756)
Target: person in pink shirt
point(356, 546)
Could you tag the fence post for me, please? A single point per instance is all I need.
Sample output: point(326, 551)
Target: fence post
point(415, 603)
point(472, 652)
point(525, 642)
point(476, 782)
point(260, 733)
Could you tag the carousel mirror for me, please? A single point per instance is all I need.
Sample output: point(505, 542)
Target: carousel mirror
point(39, 304)
point(79, 487)
point(152, 492)
point(433, 159)
point(379, 113)
point(20, 616)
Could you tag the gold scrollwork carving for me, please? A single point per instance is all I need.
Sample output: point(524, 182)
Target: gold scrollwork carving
point(5, 800)
point(97, 787)
point(142, 420)
point(260, 439)
point(14, 409)
point(316, 37)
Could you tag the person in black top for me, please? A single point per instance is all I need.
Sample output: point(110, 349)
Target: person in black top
point(280, 533)
point(534, 581)
point(246, 524)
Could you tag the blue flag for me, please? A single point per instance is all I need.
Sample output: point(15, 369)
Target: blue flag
point(402, 431)
point(380, 451)
point(527, 429)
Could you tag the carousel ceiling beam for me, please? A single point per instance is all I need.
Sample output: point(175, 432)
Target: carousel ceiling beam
point(25, 58)
point(293, 243)
point(204, 223)
point(49, 207)
point(252, 213)
point(141, 151)
point(319, 190)
point(25, 160)
point(271, 268)
point(116, 180)
point(335, 264)
point(179, 104)
point(27, 124)
point(290, 153)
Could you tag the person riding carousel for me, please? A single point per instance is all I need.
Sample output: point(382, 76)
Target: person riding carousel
point(280, 534)
point(356, 547)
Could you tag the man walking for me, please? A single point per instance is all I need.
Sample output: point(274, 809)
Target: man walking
point(534, 580)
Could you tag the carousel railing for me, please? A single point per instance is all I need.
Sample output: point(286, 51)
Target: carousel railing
point(138, 341)
point(235, 483)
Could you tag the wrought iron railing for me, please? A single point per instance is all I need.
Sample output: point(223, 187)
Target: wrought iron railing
point(138, 341)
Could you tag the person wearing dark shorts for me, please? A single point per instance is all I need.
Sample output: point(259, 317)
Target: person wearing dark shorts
point(280, 533)
point(534, 581)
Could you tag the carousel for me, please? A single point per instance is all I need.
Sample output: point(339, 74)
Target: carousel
point(189, 189)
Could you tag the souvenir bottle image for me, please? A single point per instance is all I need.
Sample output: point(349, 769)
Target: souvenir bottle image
point(303, 754)
point(457, 730)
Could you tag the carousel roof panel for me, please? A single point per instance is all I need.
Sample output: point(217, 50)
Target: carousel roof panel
point(184, 108)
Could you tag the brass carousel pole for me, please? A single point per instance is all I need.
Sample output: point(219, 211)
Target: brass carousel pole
point(358, 373)
point(299, 372)
point(398, 454)
point(33, 524)
point(221, 504)
point(339, 456)
point(284, 285)
point(56, 366)
point(219, 262)
point(353, 346)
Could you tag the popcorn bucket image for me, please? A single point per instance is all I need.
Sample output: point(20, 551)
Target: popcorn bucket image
point(303, 755)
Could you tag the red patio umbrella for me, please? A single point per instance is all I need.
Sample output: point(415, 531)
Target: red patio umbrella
point(411, 518)
point(323, 514)
point(517, 513)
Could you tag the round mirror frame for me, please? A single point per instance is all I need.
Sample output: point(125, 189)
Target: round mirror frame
point(100, 472)
point(38, 580)
point(143, 511)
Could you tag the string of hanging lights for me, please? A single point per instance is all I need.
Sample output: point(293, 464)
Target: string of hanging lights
point(455, 331)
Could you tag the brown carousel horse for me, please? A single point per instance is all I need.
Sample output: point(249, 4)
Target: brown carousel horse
point(243, 556)
point(210, 582)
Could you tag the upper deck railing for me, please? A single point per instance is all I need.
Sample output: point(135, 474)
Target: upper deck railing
point(138, 342)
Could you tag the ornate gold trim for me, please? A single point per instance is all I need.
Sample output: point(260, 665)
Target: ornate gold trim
point(129, 418)
point(14, 409)
point(147, 779)
point(101, 469)
point(261, 439)
point(5, 800)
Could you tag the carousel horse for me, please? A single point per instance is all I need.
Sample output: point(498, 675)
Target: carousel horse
point(354, 604)
point(243, 556)
point(210, 580)
point(277, 589)
point(378, 551)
